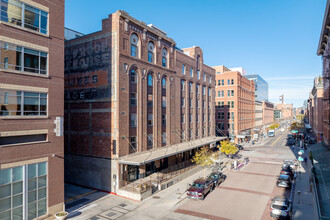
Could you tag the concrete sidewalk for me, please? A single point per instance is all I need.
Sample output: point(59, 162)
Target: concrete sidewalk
point(104, 206)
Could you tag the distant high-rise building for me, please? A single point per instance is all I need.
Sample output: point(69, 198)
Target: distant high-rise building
point(261, 87)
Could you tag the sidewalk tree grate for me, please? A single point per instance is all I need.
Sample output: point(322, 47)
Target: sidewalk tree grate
point(156, 197)
point(122, 205)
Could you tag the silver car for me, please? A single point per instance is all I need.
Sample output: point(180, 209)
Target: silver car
point(281, 207)
point(291, 163)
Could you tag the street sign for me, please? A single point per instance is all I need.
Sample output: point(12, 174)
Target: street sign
point(58, 126)
point(302, 151)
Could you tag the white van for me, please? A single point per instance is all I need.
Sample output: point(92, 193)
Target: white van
point(271, 133)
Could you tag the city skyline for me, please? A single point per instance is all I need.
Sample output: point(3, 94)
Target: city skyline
point(271, 33)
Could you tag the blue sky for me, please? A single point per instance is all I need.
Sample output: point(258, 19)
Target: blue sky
point(274, 38)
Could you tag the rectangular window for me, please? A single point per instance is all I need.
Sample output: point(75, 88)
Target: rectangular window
point(150, 140)
point(232, 92)
point(190, 87)
point(34, 19)
point(219, 115)
point(208, 131)
point(197, 89)
point(228, 93)
point(223, 82)
point(150, 100)
point(182, 118)
point(204, 116)
point(190, 103)
point(190, 116)
point(222, 104)
point(197, 103)
point(222, 115)
point(183, 85)
point(232, 104)
point(23, 59)
point(203, 132)
point(190, 133)
point(23, 139)
point(133, 50)
point(222, 93)
point(133, 99)
point(164, 101)
point(204, 76)
point(219, 93)
point(232, 81)
point(210, 79)
point(198, 74)
point(164, 61)
point(232, 115)
point(164, 138)
point(29, 182)
point(228, 115)
point(163, 119)
point(191, 72)
point(197, 132)
point(197, 118)
point(219, 83)
point(209, 92)
point(133, 120)
point(218, 72)
point(183, 135)
point(228, 81)
point(203, 90)
point(203, 103)
point(133, 144)
point(22, 103)
point(150, 57)
point(150, 120)
point(182, 102)
point(183, 70)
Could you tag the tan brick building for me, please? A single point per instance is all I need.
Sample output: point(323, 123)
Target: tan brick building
point(235, 104)
point(31, 98)
point(135, 105)
point(286, 110)
point(267, 113)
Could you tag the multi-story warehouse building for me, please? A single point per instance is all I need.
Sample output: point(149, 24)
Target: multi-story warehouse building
point(235, 104)
point(135, 105)
point(324, 51)
point(31, 99)
point(267, 113)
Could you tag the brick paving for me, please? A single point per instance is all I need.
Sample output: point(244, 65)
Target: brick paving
point(201, 215)
point(244, 190)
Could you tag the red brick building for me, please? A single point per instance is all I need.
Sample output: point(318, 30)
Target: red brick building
point(235, 104)
point(324, 51)
point(267, 113)
point(134, 104)
point(31, 98)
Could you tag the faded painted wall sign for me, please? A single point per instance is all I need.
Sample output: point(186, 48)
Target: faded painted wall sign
point(88, 68)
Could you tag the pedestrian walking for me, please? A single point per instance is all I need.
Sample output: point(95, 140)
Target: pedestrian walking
point(305, 160)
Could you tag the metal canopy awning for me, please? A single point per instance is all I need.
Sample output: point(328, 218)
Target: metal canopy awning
point(163, 152)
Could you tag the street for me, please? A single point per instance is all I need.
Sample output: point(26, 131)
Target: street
point(245, 194)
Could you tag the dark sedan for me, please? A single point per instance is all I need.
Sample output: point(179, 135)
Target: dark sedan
point(216, 178)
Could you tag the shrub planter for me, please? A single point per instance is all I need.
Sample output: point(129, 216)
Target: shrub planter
point(61, 215)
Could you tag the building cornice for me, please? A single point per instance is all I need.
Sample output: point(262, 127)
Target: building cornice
point(125, 15)
point(324, 31)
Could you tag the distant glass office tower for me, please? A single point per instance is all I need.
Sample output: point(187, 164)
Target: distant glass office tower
point(261, 90)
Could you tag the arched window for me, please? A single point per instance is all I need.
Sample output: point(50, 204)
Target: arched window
point(164, 83)
point(150, 83)
point(164, 57)
point(134, 45)
point(151, 48)
point(133, 78)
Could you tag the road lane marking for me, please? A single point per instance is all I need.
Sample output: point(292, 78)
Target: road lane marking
point(279, 137)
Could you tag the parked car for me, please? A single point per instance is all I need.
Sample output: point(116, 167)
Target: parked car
point(284, 181)
point(200, 188)
point(281, 207)
point(286, 170)
point(290, 136)
point(216, 178)
point(240, 147)
point(291, 163)
point(290, 142)
point(312, 141)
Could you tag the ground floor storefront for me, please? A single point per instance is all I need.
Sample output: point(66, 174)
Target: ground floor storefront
point(145, 173)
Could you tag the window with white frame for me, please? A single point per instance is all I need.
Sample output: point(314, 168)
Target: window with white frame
point(24, 15)
point(191, 72)
point(151, 48)
point(150, 123)
point(23, 59)
point(133, 98)
point(20, 103)
point(133, 120)
point(198, 74)
point(133, 78)
point(23, 191)
point(134, 45)
point(164, 57)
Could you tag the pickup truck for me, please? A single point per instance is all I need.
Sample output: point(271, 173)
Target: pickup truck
point(199, 189)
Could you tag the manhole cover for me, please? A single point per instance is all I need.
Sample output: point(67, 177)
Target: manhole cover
point(156, 197)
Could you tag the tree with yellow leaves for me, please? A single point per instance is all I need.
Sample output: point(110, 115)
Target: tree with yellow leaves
point(227, 148)
point(203, 157)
